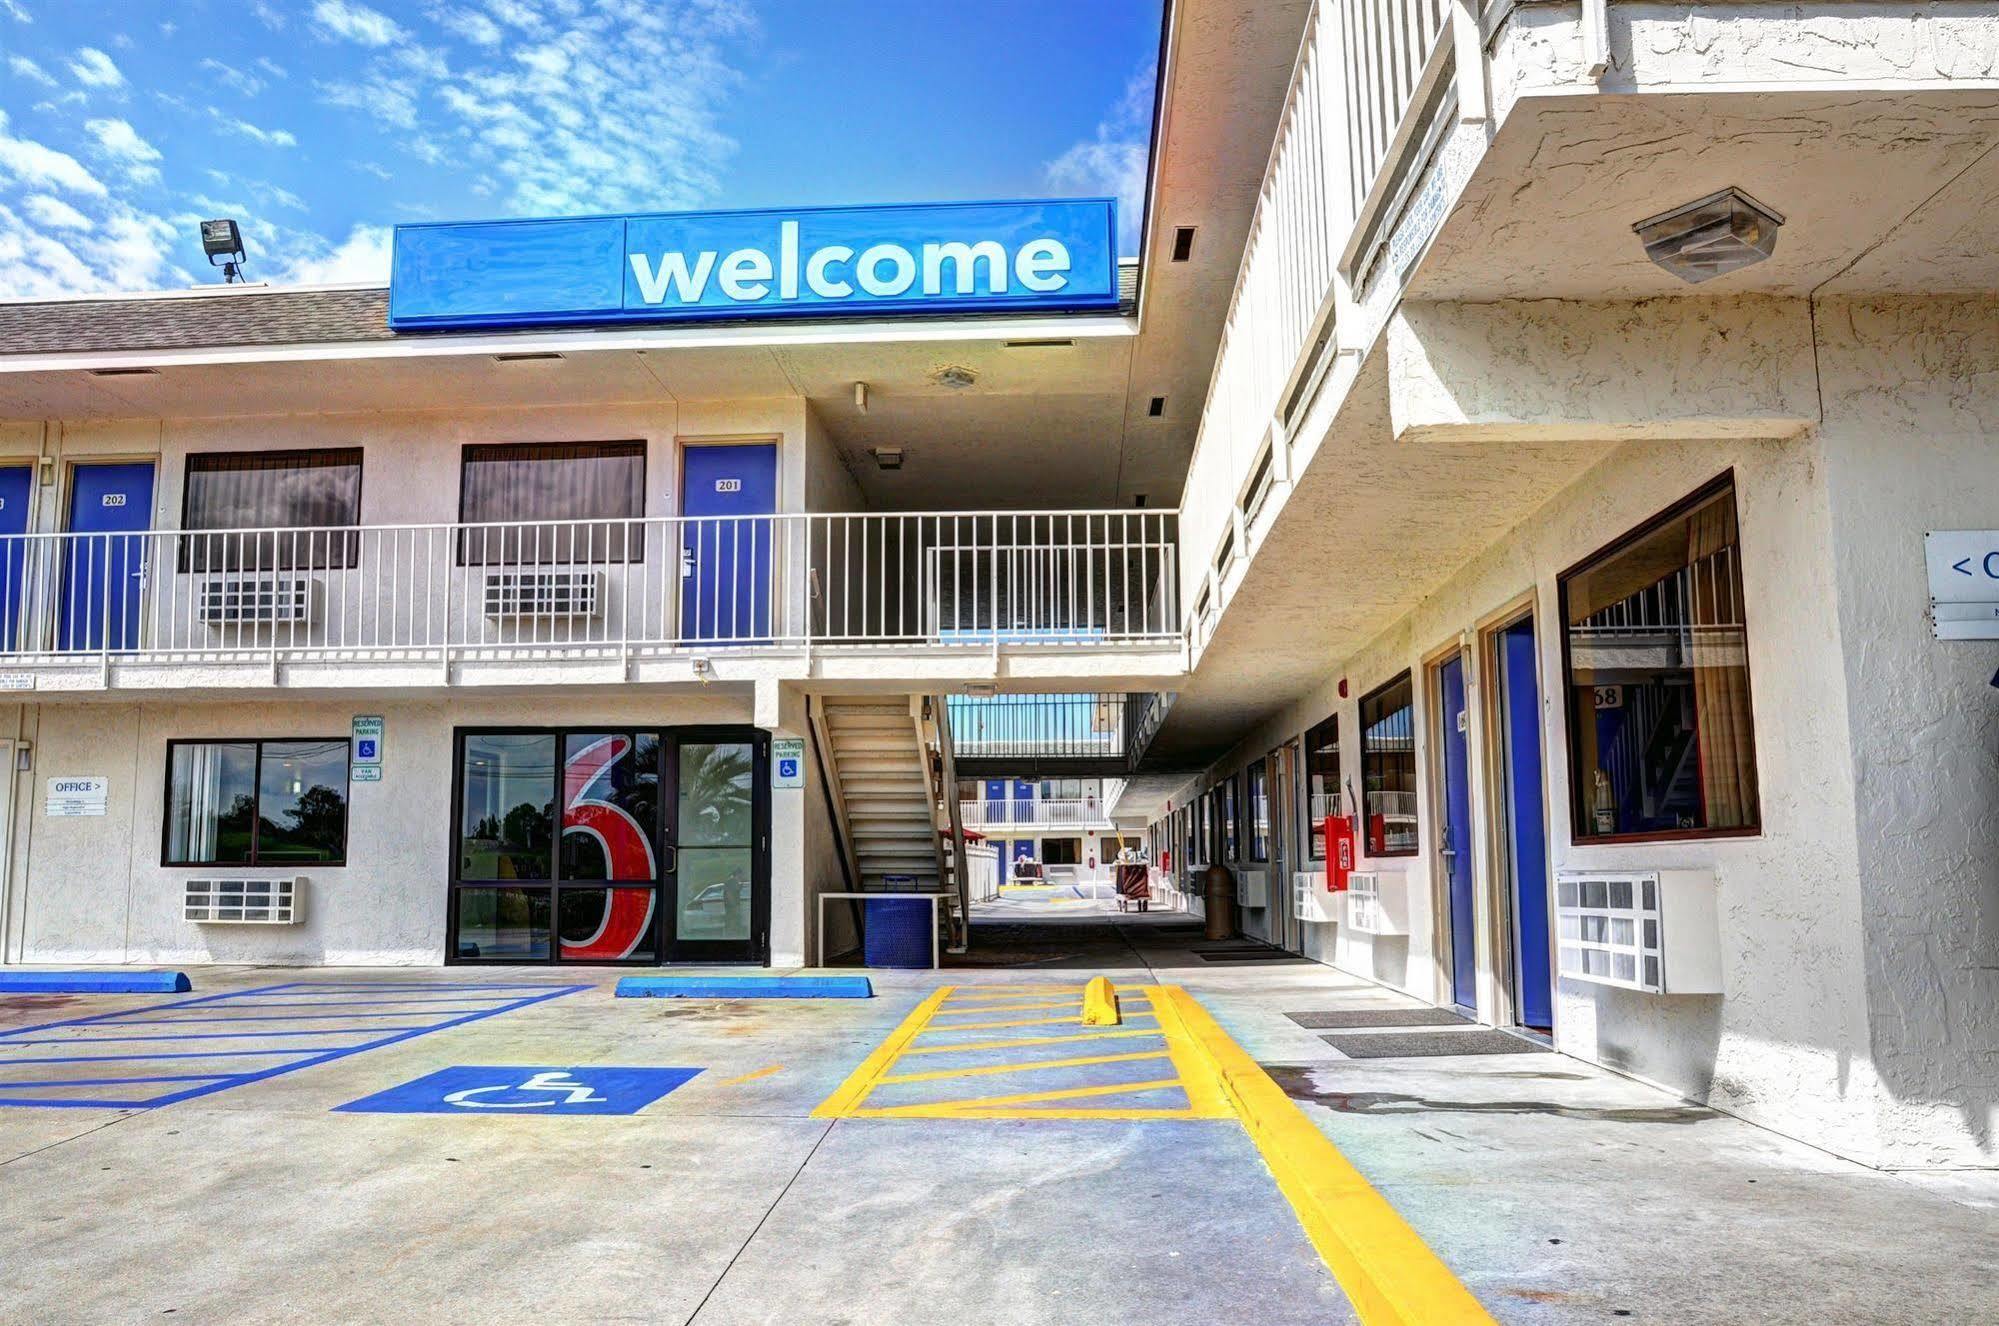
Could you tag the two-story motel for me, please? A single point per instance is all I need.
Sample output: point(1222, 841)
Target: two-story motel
point(1517, 439)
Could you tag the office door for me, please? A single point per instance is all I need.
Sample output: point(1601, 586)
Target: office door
point(104, 574)
point(727, 579)
point(1456, 842)
point(17, 488)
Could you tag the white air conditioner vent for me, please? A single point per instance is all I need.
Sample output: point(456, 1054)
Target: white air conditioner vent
point(1253, 889)
point(269, 901)
point(1378, 902)
point(1311, 901)
point(544, 594)
point(256, 600)
point(1651, 930)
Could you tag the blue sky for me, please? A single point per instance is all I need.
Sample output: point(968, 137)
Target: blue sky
point(320, 123)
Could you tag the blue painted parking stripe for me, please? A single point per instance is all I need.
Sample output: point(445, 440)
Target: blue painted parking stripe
point(135, 1021)
point(157, 1054)
point(521, 995)
point(117, 1081)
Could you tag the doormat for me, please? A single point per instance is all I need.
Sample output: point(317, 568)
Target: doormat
point(1378, 1017)
point(1424, 1044)
point(1252, 955)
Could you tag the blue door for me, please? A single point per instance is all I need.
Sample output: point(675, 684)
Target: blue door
point(996, 800)
point(1527, 839)
point(104, 574)
point(1456, 845)
point(17, 487)
point(726, 576)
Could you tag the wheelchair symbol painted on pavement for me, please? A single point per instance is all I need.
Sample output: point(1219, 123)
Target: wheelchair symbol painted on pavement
point(513, 1089)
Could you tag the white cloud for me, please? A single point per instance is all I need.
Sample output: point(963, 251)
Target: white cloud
point(236, 124)
point(93, 68)
point(54, 213)
point(127, 250)
point(122, 144)
point(363, 256)
point(1113, 162)
point(357, 23)
point(271, 67)
point(34, 165)
point(242, 80)
point(14, 10)
point(23, 67)
point(472, 26)
point(268, 16)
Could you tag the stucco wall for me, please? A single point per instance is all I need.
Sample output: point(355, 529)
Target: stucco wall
point(92, 889)
point(1912, 410)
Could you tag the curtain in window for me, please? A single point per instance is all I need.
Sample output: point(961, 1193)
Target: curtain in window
point(583, 481)
point(298, 508)
point(1718, 652)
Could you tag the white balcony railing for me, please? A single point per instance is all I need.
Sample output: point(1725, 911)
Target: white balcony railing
point(1059, 813)
point(593, 587)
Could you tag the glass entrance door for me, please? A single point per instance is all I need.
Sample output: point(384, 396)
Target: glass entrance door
point(609, 845)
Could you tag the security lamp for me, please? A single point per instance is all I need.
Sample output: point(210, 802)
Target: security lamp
point(221, 239)
point(887, 458)
point(1710, 236)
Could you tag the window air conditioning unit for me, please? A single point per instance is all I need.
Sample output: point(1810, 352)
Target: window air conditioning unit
point(256, 600)
point(1310, 900)
point(1253, 889)
point(1378, 902)
point(1657, 931)
point(544, 594)
point(243, 901)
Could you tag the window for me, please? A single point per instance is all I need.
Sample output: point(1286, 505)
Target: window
point(1661, 738)
point(1231, 827)
point(1258, 788)
point(1322, 780)
point(257, 803)
point(1388, 769)
point(282, 510)
point(600, 482)
point(1061, 851)
point(1259, 486)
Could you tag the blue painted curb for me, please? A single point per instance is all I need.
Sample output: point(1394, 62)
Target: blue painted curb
point(95, 982)
point(745, 987)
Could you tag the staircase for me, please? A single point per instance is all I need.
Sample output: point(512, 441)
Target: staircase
point(896, 799)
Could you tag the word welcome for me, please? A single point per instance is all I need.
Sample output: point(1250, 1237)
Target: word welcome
point(886, 270)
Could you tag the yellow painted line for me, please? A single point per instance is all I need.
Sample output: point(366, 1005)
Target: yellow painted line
point(1204, 1088)
point(1387, 1270)
point(969, 1046)
point(1065, 1115)
point(862, 1080)
point(751, 1077)
point(1100, 1003)
point(965, 992)
point(1007, 1008)
point(1031, 1097)
point(1024, 1066)
point(1017, 1022)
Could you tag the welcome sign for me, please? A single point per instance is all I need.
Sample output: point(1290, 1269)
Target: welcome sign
point(1057, 255)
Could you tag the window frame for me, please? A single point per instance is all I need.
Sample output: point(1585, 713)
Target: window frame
point(1723, 482)
point(256, 805)
point(1407, 678)
point(1315, 824)
point(1255, 778)
point(1231, 818)
point(349, 544)
point(634, 541)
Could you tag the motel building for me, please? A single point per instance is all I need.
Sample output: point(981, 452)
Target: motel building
point(1522, 511)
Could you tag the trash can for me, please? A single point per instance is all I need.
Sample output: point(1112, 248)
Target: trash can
point(897, 933)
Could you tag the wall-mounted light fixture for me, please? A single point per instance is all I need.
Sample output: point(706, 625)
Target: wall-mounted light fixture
point(1710, 236)
point(887, 458)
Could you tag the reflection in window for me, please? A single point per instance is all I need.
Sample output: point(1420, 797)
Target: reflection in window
point(610, 806)
point(507, 819)
point(1259, 810)
point(1388, 769)
point(503, 924)
point(1229, 810)
point(717, 837)
point(314, 497)
point(1661, 738)
point(257, 802)
point(602, 483)
point(1322, 779)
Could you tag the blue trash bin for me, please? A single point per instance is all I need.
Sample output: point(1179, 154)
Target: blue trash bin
point(897, 933)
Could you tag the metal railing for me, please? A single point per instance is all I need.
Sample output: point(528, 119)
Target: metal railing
point(1027, 814)
point(1384, 48)
point(592, 587)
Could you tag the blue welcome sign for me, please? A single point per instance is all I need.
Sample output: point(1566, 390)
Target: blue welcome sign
point(1054, 255)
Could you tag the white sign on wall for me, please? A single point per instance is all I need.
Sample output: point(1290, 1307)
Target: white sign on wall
point(1964, 583)
point(787, 762)
point(367, 740)
point(76, 795)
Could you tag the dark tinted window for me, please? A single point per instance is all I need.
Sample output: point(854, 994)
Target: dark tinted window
point(505, 489)
point(257, 802)
point(1388, 769)
point(280, 509)
point(1322, 780)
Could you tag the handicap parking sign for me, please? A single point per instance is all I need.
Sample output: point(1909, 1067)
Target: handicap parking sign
point(517, 1090)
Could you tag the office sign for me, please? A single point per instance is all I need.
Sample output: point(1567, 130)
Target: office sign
point(1054, 255)
point(1963, 566)
point(78, 795)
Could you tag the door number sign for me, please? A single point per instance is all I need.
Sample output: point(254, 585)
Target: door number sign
point(502, 1090)
point(728, 485)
